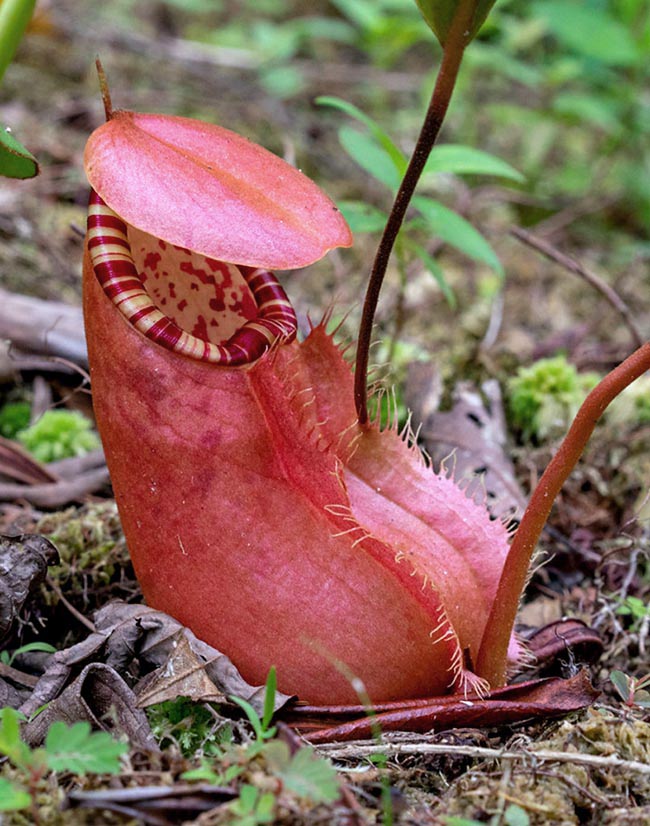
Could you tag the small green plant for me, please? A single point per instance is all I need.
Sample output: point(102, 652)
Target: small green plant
point(378, 155)
point(67, 748)
point(544, 397)
point(632, 690)
point(8, 659)
point(190, 726)
point(59, 434)
point(14, 417)
point(636, 608)
point(253, 806)
point(304, 773)
point(262, 726)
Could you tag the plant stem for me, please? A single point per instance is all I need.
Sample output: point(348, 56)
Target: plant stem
point(457, 39)
point(14, 17)
point(104, 89)
point(492, 659)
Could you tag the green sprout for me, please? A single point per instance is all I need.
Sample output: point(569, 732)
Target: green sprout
point(59, 434)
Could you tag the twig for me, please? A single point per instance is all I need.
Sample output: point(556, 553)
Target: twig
point(336, 751)
point(57, 493)
point(570, 264)
point(76, 614)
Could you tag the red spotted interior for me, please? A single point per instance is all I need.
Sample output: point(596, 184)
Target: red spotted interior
point(209, 299)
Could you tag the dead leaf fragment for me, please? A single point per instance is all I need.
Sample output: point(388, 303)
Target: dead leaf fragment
point(24, 560)
point(536, 698)
point(132, 638)
point(474, 431)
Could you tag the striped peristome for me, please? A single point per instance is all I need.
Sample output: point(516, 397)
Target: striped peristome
point(269, 318)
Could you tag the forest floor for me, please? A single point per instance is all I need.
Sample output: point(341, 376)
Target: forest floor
point(591, 767)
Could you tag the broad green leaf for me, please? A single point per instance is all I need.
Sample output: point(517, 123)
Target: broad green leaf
point(362, 217)
point(306, 774)
point(588, 30)
point(382, 137)
point(464, 160)
point(14, 17)
point(15, 160)
point(77, 749)
point(440, 13)
point(455, 230)
point(370, 156)
point(12, 798)
point(433, 267)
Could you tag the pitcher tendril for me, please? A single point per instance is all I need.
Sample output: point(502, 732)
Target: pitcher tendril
point(453, 50)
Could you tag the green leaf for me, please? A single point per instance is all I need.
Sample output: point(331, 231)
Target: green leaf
point(77, 749)
point(455, 230)
point(464, 160)
point(12, 798)
point(11, 743)
point(370, 156)
point(516, 816)
point(269, 697)
point(45, 647)
point(382, 137)
point(305, 774)
point(433, 267)
point(261, 731)
point(589, 31)
point(440, 13)
point(362, 217)
point(14, 18)
point(15, 160)
point(621, 683)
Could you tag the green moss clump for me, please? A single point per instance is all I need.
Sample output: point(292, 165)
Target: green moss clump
point(14, 417)
point(95, 563)
point(59, 434)
point(544, 398)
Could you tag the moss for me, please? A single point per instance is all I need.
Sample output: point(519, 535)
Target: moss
point(59, 434)
point(565, 794)
point(93, 552)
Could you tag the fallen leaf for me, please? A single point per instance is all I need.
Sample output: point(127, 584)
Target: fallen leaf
point(24, 560)
point(537, 698)
point(134, 634)
point(182, 675)
point(100, 696)
point(474, 431)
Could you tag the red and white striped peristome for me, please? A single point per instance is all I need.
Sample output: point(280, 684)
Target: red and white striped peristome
point(263, 312)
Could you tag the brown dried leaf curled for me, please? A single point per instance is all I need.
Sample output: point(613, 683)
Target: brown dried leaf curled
point(24, 560)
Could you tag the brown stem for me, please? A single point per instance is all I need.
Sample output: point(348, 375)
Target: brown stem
point(457, 39)
point(103, 86)
point(492, 659)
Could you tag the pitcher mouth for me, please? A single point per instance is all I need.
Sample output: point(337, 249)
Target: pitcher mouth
point(236, 313)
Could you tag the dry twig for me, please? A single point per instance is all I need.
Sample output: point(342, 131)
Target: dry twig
point(570, 264)
point(336, 751)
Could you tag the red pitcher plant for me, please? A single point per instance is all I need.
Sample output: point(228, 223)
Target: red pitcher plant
point(260, 507)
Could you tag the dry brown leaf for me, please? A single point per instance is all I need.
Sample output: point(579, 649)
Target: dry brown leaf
point(470, 440)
